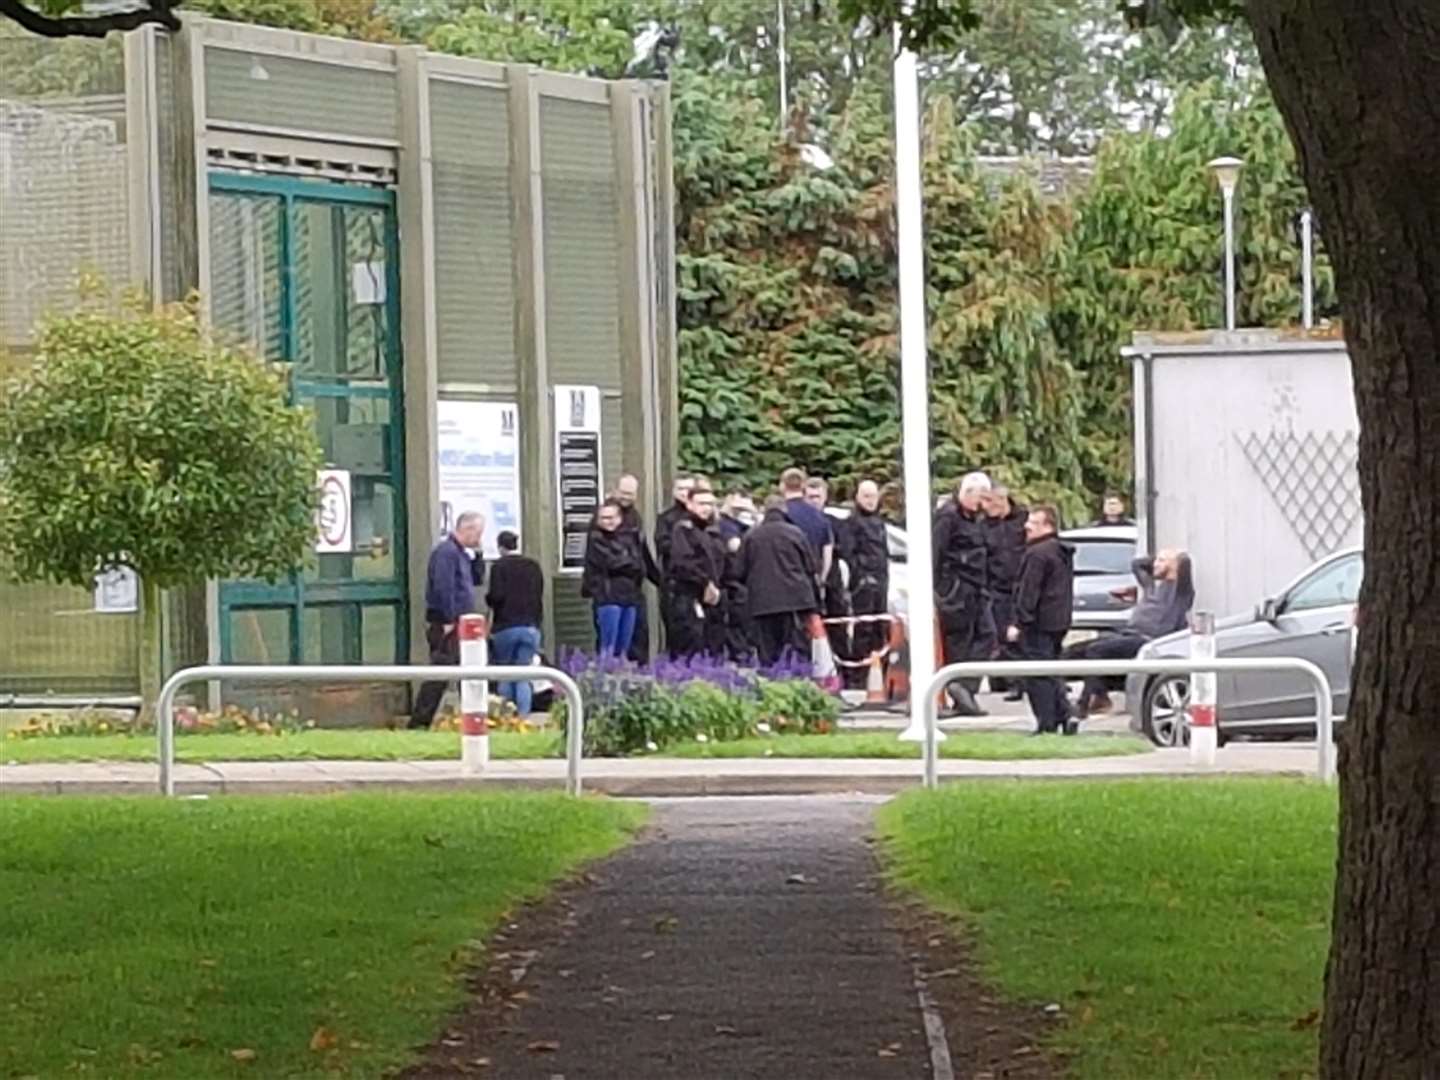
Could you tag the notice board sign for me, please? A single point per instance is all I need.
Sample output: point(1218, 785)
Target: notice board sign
point(577, 468)
point(333, 524)
point(478, 461)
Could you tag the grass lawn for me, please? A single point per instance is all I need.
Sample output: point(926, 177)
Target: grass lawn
point(262, 937)
point(971, 745)
point(436, 746)
point(1182, 924)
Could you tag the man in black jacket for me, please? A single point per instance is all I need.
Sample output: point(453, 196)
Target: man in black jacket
point(865, 545)
point(736, 518)
point(778, 566)
point(696, 620)
point(664, 535)
point(1005, 541)
point(961, 580)
point(1044, 599)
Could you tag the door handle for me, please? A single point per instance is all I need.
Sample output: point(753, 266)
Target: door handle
point(1335, 628)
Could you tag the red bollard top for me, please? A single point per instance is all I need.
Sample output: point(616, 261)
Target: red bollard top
point(474, 628)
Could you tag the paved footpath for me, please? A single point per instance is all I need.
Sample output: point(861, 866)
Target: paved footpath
point(638, 777)
point(738, 938)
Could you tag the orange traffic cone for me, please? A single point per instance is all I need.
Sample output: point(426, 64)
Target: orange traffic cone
point(875, 682)
point(822, 657)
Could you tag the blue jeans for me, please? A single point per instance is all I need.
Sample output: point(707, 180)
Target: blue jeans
point(616, 624)
point(516, 645)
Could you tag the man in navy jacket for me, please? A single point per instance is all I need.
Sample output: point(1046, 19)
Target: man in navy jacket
point(454, 572)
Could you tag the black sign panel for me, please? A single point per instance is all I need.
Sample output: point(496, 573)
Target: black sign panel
point(579, 466)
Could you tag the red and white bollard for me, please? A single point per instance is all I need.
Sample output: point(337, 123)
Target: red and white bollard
point(474, 633)
point(1203, 691)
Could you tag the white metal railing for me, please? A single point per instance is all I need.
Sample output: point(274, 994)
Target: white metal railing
point(355, 673)
point(1073, 669)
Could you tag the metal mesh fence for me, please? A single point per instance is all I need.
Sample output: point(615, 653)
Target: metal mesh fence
point(63, 213)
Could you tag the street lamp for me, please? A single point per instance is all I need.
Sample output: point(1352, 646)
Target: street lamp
point(1227, 172)
point(914, 396)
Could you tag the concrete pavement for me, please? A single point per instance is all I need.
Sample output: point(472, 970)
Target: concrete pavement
point(639, 777)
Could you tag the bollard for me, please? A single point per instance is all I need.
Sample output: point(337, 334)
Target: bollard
point(822, 657)
point(474, 633)
point(1203, 691)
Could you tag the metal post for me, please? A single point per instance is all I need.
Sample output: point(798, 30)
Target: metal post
point(914, 397)
point(1229, 195)
point(1307, 268)
point(474, 696)
point(356, 673)
point(1203, 691)
point(1076, 669)
point(784, 67)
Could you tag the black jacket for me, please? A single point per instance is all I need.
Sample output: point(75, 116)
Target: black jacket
point(1005, 543)
point(631, 521)
point(665, 535)
point(778, 566)
point(614, 567)
point(867, 550)
point(517, 592)
point(961, 555)
point(1045, 589)
point(697, 558)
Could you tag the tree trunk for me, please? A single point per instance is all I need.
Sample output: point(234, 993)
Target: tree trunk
point(1359, 85)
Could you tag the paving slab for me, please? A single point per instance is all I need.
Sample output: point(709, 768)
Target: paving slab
point(635, 777)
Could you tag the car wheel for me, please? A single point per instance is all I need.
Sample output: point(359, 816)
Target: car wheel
point(1162, 715)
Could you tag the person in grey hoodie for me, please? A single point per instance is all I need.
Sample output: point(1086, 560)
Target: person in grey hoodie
point(1167, 591)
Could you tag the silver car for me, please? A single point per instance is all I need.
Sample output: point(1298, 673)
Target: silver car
point(1313, 618)
point(1104, 581)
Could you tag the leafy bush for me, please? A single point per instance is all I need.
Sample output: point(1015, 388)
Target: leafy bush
point(630, 710)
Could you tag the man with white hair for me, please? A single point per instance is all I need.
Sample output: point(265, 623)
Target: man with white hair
point(454, 572)
point(961, 580)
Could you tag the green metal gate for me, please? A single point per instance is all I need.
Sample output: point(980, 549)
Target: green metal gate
point(307, 273)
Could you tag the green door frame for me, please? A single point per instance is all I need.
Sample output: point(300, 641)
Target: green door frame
point(292, 594)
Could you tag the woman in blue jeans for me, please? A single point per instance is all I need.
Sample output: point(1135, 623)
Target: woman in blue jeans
point(516, 598)
point(613, 579)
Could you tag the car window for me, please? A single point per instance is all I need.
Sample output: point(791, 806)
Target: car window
point(898, 543)
point(1333, 585)
point(1102, 556)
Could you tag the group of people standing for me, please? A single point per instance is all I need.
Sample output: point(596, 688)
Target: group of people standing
point(734, 581)
point(747, 585)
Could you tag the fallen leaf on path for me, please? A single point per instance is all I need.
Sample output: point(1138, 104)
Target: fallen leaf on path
point(244, 1054)
point(647, 955)
point(482, 1063)
point(725, 1029)
point(886, 1052)
point(797, 879)
point(943, 973)
point(665, 1017)
point(323, 1039)
point(543, 1046)
point(666, 924)
point(1306, 1021)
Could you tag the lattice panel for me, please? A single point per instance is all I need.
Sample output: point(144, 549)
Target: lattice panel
point(1312, 478)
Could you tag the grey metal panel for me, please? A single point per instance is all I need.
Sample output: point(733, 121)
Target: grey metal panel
point(301, 95)
point(581, 230)
point(574, 622)
point(612, 441)
point(474, 251)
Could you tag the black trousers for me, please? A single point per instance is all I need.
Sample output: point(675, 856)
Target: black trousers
point(692, 633)
point(782, 632)
point(968, 635)
point(640, 643)
point(1110, 647)
point(444, 649)
point(1002, 606)
point(1047, 695)
point(868, 598)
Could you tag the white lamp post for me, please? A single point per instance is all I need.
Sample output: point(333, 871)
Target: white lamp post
point(1227, 172)
point(914, 391)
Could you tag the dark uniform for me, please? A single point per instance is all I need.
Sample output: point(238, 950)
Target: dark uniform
point(867, 551)
point(778, 566)
point(738, 644)
point(1005, 539)
point(632, 522)
point(664, 535)
point(1044, 600)
point(967, 627)
point(696, 559)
